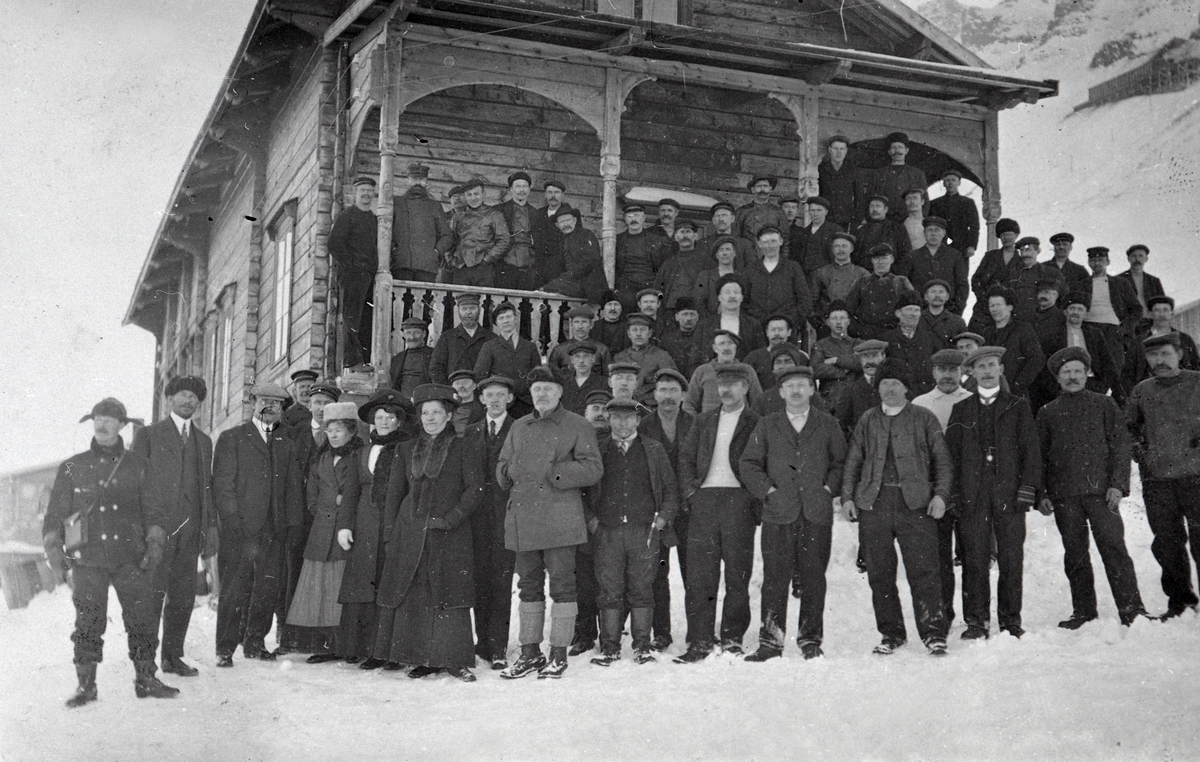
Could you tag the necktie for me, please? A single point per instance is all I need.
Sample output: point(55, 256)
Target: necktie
point(184, 433)
point(492, 428)
point(624, 445)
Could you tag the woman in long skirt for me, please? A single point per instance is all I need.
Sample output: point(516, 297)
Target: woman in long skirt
point(427, 587)
point(334, 487)
point(390, 416)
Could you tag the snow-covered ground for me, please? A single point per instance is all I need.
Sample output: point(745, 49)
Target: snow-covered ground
point(1104, 692)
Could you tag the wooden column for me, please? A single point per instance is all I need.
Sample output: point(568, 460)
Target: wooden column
point(805, 110)
point(991, 177)
point(389, 138)
point(617, 86)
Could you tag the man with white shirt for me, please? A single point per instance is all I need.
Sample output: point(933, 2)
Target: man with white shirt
point(1115, 310)
point(793, 465)
point(722, 516)
point(178, 482)
point(947, 370)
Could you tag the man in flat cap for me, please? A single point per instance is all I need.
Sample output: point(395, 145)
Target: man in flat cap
point(178, 482)
point(723, 216)
point(960, 213)
point(628, 510)
point(548, 255)
point(898, 176)
point(639, 256)
point(410, 366)
point(1077, 276)
point(548, 459)
point(1162, 312)
point(912, 343)
point(508, 354)
point(809, 245)
point(860, 393)
point(580, 321)
point(581, 377)
point(101, 517)
point(1163, 415)
point(1024, 358)
point(458, 348)
point(297, 413)
point(481, 239)
point(722, 516)
point(833, 282)
point(843, 183)
point(994, 443)
point(878, 228)
point(1145, 285)
point(683, 340)
point(793, 466)
point(760, 212)
point(1024, 275)
point(582, 272)
point(353, 242)
point(872, 300)
point(677, 277)
point(1070, 330)
point(421, 235)
point(256, 487)
point(897, 483)
point(775, 284)
point(703, 393)
point(1115, 310)
point(993, 270)
point(1086, 453)
point(517, 269)
point(649, 357)
point(936, 260)
point(469, 409)
point(941, 322)
point(668, 212)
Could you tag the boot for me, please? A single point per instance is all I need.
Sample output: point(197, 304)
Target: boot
point(557, 664)
point(610, 637)
point(86, 692)
point(1076, 621)
point(146, 684)
point(530, 660)
point(640, 622)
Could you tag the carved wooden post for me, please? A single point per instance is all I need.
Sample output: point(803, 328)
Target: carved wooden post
point(991, 177)
point(389, 117)
point(618, 84)
point(805, 110)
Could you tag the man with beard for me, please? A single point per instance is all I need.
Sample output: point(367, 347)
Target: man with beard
point(639, 256)
point(421, 235)
point(1024, 358)
point(517, 269)
point(1086, 454)
point(878, 228)
point(809, 247)
point(582, 275)
point(760, 212)
point(353, 240)
point(458, 348)
point(481, 239)
point(894, 180)
point(1163, 415)
point(936, 261)
point(960, 214)
point(844, 184)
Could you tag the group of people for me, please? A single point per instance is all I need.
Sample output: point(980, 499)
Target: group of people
point(718, 385)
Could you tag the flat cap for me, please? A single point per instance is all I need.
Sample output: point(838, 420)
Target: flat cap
point(935, 222)
point(580, 312)
point(269, 391)
point(648, 292)
point(1062, 237)
point(839, 138)
point(624, 367)
point(1066, 355)
point(307, 373)
point(968, 335)
point(621, 406)
point(632, 206)
point(947, 358)
point(952, 173)
point(474, 182)
point(111, 407)
point(783, 374)
point(1028, 241)
point(193, 384)
point(844, 235)
point(521, 175)
point(552, 183)
point(434, 393)
point(937, 282)
point(768, 230)
point(638, 318)
point(982, 352)
point(462, 373)
point(880, 198)
point(583, 346)
point(383, 398)
point(364, 180)
point(790, 199)
point(670, 374)
point(681, 224)
point(502, 307)
point(798, 355)
point(504, 381)
point(910, 191)
point(413, 322)
point(1137, 247)
point(721, 240)
point(871, 345)
point(669, 202)
point(542, 374)
point(1096, 252)
point(722, 332)
point(598, 397)
point(1161, 340)
point(735, 371)
point(882, 250)
point(328, 388)
point(721, 205)
point(820, 201)
point(1161, 299)
point(568, 211)
point(461, 299)
point(340, 411)
point(1006, 225)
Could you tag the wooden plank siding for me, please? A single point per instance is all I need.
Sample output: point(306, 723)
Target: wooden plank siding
point(784, 21)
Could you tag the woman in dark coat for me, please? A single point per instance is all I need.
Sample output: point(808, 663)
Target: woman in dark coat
point(427, 588)
point(390, 416)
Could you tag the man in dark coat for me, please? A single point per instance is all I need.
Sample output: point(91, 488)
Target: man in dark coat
point(256, 486)
point(1163, 415)
point(1086, 454)
point(481, 239)
point(1145, 285)
point(723, 515)
point(100, 516)
point(898, 177)
point(1024, 358)
point(297, 414)
point(1115, 310)
point(582, 273)
point(421, 235)
point(1023, 276)
point(640, 254)
point(912, 343)
point(809, 246)
point(993, 270)
point(843, 183)
point(897, 482)
point(1076, 275)
point(458, 348)
point(775, 284)
point(548, 253)
point(722, 216)
point(517, 270)
point(352, 244)
point(993, 440)
point(960, 214)
point(179, 484)
point(793, 465)
point(872, 300)
point(860, 391)
point(937, 260)
point(683, 339)
point(761, 211)
point(581, 378)
point(507, 354)
point(410, 366)
point(878, 228)
point(627, 511)
point(1058, 330)
point(1162, 312)
point(493, 563)
point(669, 424)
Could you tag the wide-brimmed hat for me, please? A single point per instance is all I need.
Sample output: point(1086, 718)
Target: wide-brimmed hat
point(383, 398)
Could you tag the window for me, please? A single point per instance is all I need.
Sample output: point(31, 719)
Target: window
point(659, 11)
point(221, 352)
point(283, 237)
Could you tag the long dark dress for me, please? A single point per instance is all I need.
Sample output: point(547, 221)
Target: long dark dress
point(364, 568)
point(427, 588)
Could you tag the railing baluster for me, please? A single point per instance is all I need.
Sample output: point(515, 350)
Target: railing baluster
point(535, 324)
point(555, 322)
point(398, 298)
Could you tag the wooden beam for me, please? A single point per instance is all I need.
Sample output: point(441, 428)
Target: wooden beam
point(624, 43)
point(827, 72)
point(309, 22)
point(398, 11)
point(348, 17)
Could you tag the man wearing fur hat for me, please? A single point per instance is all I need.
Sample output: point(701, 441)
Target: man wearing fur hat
point(1086, 454)
point(997, 474)
point(101, 517)
point(179, 484)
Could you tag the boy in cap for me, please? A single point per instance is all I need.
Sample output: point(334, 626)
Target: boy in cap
point(458, 348)
point(410, 366)
point(997, 458)
point(960, 214)
point(1086, 454)
point(353, 242)
point(101, 517)
point(639, 256)
point(628, 509)
point(934, 260)
point(421, 234)
point(648, 357)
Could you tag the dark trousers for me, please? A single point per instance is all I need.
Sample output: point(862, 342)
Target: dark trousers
point(587, 621)
point(421, 276)
point(533, 566)
point(1114, 338)
point(720, 530)
point(888, 522)
point(139, 610)
point(800, 548)
point(626, 559)
point(1173, 510)
point(175, 585)
point(662, 580)
point(1073, 515)
point(493, 576)
point(356, 292)
point(976, 528)
point(947, 527)
point(482, 274)
point(251, 571)
point(513, 277)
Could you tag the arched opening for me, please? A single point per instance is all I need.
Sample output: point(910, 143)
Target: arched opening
point(873, 154)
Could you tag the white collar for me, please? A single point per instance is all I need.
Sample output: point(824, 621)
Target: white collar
point(498, 421)
point(180, 423)
point(797, 416)
point(988, 394)
point(890, 411)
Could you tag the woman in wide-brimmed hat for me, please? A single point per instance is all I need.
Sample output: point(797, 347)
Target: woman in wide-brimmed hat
point(427, 587)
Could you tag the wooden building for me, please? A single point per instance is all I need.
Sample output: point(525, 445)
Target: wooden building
point(605, 95)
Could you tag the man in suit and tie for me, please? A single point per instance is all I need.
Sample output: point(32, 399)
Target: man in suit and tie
point(493, 562)
point(793, 464)
point(256, 481)
point(179, 483)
